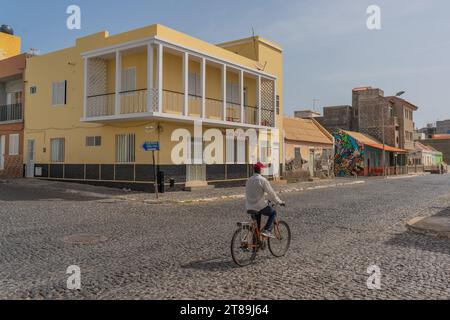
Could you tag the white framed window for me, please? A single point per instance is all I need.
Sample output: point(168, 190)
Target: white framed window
point(129, 79)
point(59, 89)
point(14, 144)
point(125, 148)
point(94, 141)
point(57, 149)
point(195, 87)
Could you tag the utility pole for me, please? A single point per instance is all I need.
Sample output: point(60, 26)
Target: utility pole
point(384, 143)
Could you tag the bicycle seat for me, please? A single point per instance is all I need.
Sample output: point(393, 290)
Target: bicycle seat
point(252, 212)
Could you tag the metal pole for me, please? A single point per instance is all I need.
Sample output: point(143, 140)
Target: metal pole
point(155, 172)
point(384, 147)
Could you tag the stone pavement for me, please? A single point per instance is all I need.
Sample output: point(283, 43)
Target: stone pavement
point(134, 250)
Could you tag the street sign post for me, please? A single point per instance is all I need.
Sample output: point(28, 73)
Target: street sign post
point(153, 146)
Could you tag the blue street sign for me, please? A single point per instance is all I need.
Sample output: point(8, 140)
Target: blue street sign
point(151, 146)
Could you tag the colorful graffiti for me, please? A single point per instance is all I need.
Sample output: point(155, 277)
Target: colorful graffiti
point(349, 155)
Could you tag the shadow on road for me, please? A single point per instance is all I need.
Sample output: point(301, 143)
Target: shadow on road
point(220, 264)
point(21, 190)
point(410, 240)
point(444, 213)
point(215, 264)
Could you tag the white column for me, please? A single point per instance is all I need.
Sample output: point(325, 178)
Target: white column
point(258, 92)
point(160, 76)
point(241, 88)
point(224, 91)
point(118, 80)
point(186, 82)
point(86, 79)
point(203, 82)
point(150, 71)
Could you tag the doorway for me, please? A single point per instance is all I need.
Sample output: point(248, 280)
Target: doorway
point(311, 162)
point(30, 158)
point(2, 152)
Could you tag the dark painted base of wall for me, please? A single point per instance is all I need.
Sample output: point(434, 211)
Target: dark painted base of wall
point(141, 177)
point(147, 187)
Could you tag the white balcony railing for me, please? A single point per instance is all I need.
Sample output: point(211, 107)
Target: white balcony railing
point(160, 102)
point(134, 101)
point(101, 105)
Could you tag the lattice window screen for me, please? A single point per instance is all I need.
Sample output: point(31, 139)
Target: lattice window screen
point(267, 102)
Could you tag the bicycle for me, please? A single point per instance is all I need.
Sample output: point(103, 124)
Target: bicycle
point(248, 240)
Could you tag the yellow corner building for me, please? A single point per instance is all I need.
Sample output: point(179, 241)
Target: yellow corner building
point(90, 107)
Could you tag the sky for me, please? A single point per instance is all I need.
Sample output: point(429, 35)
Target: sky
point(328, 49)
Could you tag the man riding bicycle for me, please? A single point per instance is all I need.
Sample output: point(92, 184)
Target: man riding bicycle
point(256, 188)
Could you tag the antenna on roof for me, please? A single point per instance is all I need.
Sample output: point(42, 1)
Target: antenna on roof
point(254, 41)
point(259, 65)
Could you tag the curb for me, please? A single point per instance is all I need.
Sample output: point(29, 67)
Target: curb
point(426, 226)
point(241, 196)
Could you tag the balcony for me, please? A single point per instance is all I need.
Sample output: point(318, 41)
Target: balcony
point(158, 80)
point(11, 113)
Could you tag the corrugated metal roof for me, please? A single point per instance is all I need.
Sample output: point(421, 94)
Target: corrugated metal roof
point(371, 142)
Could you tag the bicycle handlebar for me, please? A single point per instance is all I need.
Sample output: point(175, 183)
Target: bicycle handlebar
point(276, 204)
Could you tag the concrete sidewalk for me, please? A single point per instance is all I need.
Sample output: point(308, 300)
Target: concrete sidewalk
point(223, 194)
point(436, 226)
point(63, 190)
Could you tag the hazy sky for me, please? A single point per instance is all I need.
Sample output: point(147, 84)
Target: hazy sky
point(328, 48)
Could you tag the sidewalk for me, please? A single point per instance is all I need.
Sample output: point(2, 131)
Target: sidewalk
point(111, 195)
point(437, 225)
point(223, 194)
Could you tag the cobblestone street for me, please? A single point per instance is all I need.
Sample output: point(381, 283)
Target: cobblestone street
point(134, 250)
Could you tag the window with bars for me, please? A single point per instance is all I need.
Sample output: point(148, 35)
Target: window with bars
point(125, 148)
point(13, 144)
point(57, 149)
point(278, 105)
point(59, 89)
point(94, 141)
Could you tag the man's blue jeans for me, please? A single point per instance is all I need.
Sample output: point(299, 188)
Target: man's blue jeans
point(270, 212)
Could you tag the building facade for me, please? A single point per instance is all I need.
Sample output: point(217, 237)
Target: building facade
point(306, 114)
point(90, 107)
point(440, 143)
point(12, 67)
point(337, 117)
point(388, 119)
point(308, 148)
point(443, 127)
point(361, 155)
point(425, 155)
point(429, 131)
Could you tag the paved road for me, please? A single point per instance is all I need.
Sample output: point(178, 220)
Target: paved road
point(174, 251)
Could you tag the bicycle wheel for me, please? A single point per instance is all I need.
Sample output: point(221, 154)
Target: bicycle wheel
point(243, 247)
point(280, 245)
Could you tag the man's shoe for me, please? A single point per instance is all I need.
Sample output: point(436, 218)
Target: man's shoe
point(268, 234)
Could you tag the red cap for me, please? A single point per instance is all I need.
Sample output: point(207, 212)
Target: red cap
point(259, 166)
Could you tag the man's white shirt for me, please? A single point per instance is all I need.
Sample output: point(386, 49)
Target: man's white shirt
point(256, 189)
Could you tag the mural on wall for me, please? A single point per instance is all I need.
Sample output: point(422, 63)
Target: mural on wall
point(349, 155)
